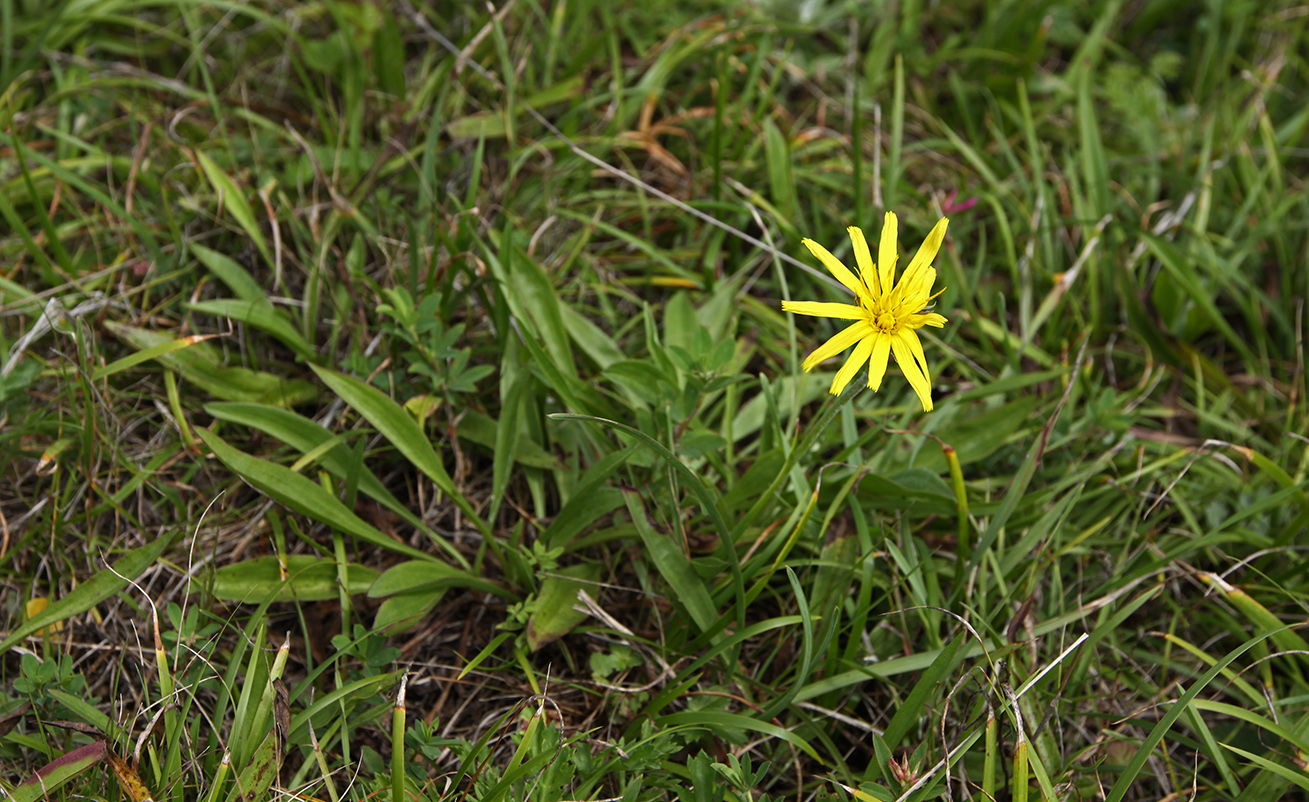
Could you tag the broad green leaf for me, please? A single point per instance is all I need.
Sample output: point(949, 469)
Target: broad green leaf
point(234, 202)
point(532, 295)
point(1185, 274)
point(977, 437)
point(58, 773)
point(199, 364)
point(261, 315)
point(389, 56)
point(641, 379)
point(777, 153)
point(236, 277)
point(805, 388)
point(309, 578)
point(554, 616)
point(409, 577)
point(258, 774)
point(406, 610)
point(300, 494)
point(679, 321)
point(702, 493)
point(306, 436)
point(401, 430)
point(590, 338)
point(491, 124)
point(506, 440)
point(917, 489)
point(132, 360)
point(583, 509)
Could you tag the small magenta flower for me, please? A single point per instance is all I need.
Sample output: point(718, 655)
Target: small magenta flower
point(950, 206)
point(887, 314)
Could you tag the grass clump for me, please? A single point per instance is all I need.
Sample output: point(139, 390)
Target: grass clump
point(397, 401)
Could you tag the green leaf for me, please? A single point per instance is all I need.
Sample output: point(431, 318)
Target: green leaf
point(389, 56)
point(308, 578)
point(715, 720)
point(300, 494)
point(406, 610)
point(234, 202)
point(978, 437)
point(705, 496)
point(261, 315)
point(916, 488)
point(777, 153)
point(91, 592)
point(1297, 777)
point(1174, 711)
point(913, 708)
point(58, 773)
point(532, 296)
point(584, 508)
point(199, 364)
point(480, 428)
point(259, 772)
point(402, 431)
point(132, 360)
point(409, 577)
point(1187, 277)
point(307, 437)
point(491, 124)
point(590, 338)
point(237, 278)
point(554, 616)
point(506, 440)
point(688, 589)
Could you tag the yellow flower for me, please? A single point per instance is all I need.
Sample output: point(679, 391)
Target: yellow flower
point(887, 313)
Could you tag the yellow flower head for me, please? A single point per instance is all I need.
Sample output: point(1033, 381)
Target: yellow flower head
point(888, 311)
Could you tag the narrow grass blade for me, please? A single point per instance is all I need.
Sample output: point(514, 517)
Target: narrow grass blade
point(711, 719)
point(1148, 744)
point(91, 592)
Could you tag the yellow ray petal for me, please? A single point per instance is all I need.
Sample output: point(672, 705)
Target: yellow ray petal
point(877, 360)
point(912, 294)
point(834, 266)
point(923, 259)
point(905, 358)
point(852, 365)
point(819, 309)
point(864, 258)
point(916, 348)
point(926, 319)
point(846, 338)
point(886, 255)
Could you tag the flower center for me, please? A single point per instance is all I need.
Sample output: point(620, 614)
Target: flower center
point(885, 322)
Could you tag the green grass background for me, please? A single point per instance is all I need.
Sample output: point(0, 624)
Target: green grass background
point(344, 343)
